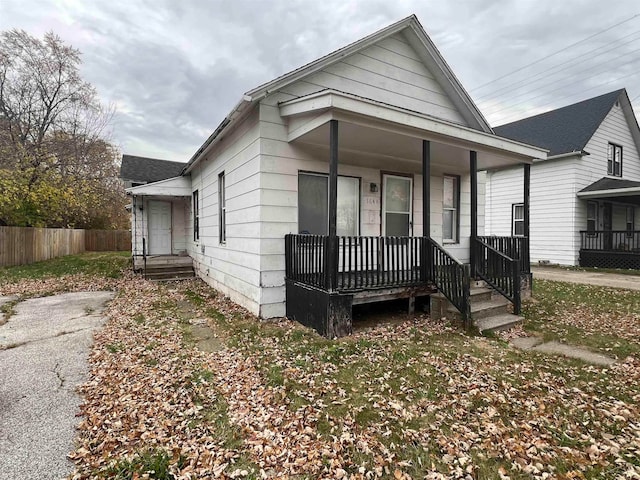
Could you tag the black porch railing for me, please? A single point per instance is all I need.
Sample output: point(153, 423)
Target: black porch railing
point(305, 259)
point(512, 247)
point(611, 240)
point(368, 263)
point(451, 277)
point(499, 270)
point(362, 262)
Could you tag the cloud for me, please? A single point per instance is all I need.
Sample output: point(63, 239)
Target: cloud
point(175, 69)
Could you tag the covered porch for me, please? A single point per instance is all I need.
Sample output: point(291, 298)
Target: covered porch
point(160, 214)
point(610, 238)
point(426, 236)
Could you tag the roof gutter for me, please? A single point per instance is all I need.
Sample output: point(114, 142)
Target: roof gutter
point(614, 192)
point(580, 153)
point(228, 122)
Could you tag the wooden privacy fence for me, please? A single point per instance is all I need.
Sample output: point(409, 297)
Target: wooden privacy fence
point(107, 240)
point(24, 245)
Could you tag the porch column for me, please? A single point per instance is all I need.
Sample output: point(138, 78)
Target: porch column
point(426, 188)
point(526, 256)
point(426, 260)
point(332, 246)
point(473, 171)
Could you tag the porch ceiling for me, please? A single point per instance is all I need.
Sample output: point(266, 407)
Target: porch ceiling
point(371, 147)
point(384, 133)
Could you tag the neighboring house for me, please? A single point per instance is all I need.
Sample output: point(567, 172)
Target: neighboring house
point(310, 196)
point(585, 194)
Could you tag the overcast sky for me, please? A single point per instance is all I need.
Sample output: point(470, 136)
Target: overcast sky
point(174, 68)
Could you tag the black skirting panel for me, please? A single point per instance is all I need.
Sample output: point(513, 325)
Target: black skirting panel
point(596, 259)
point(329, 314)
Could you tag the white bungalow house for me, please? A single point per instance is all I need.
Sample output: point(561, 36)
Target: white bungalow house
point(351, 179)
point(585, 194)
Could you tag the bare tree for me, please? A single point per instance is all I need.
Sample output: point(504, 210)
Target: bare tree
point(52, 124)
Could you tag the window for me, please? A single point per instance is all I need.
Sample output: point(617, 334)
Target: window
point(592, 217)
point(630, 221)
point(196, 216)
point(517, 220)
point(222, 210)
point(614, 160)
point(313, 204)
point(450, 205)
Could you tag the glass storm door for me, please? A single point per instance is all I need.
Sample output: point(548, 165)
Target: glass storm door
point(397, 203)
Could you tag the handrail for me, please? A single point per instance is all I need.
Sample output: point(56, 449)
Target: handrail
point(451, 277)
point(499, 270)
point(144, 256)
point(512, 247)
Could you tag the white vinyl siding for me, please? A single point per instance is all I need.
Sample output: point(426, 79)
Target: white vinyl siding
point(389, 71)
point(613, 129)
point(552, 207)
point(234, 267)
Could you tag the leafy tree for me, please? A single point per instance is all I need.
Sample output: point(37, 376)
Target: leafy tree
point(57, 168)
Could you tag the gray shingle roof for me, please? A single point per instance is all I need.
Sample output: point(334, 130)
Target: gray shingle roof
point(610, 184)
point(565, 130)
point(143, 169)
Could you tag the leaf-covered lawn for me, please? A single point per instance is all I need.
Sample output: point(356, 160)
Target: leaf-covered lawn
point(411, 399)
point(605, 319)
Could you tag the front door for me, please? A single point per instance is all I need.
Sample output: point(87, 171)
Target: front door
point(159, 228)
point(397, 205)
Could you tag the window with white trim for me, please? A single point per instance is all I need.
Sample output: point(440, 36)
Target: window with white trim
point(592, 217)
point(450, 203)
point(313, 204)
point(614, 160)
point(517, 220)
point(196, 216)
point(630, 223)
point(222, 209)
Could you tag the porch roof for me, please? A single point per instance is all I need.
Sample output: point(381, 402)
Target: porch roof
point(171, 187)
point(311, 112)
point(627, 191)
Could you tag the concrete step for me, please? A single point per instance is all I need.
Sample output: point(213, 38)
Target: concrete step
point(479, 294)
point(488, 308)
point(169, 268)
point(484, 308)
point(495, 323)
point(170, 274)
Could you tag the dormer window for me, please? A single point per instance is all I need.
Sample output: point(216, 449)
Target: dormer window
point(614, 160)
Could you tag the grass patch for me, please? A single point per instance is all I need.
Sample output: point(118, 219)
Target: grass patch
point(104, 264)
point(151, 463)
point(7, 310)
point(582, 315)
point(114, 347)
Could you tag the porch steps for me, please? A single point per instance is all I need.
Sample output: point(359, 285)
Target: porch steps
point(169, 272)
point(489, 311)
point(496, 323)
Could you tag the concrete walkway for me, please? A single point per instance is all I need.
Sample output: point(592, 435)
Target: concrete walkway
point(556, 348)
point(615, 280)
point(43, 358)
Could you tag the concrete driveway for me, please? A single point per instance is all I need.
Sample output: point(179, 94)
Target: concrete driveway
point(615, 280)
point(43, 358)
